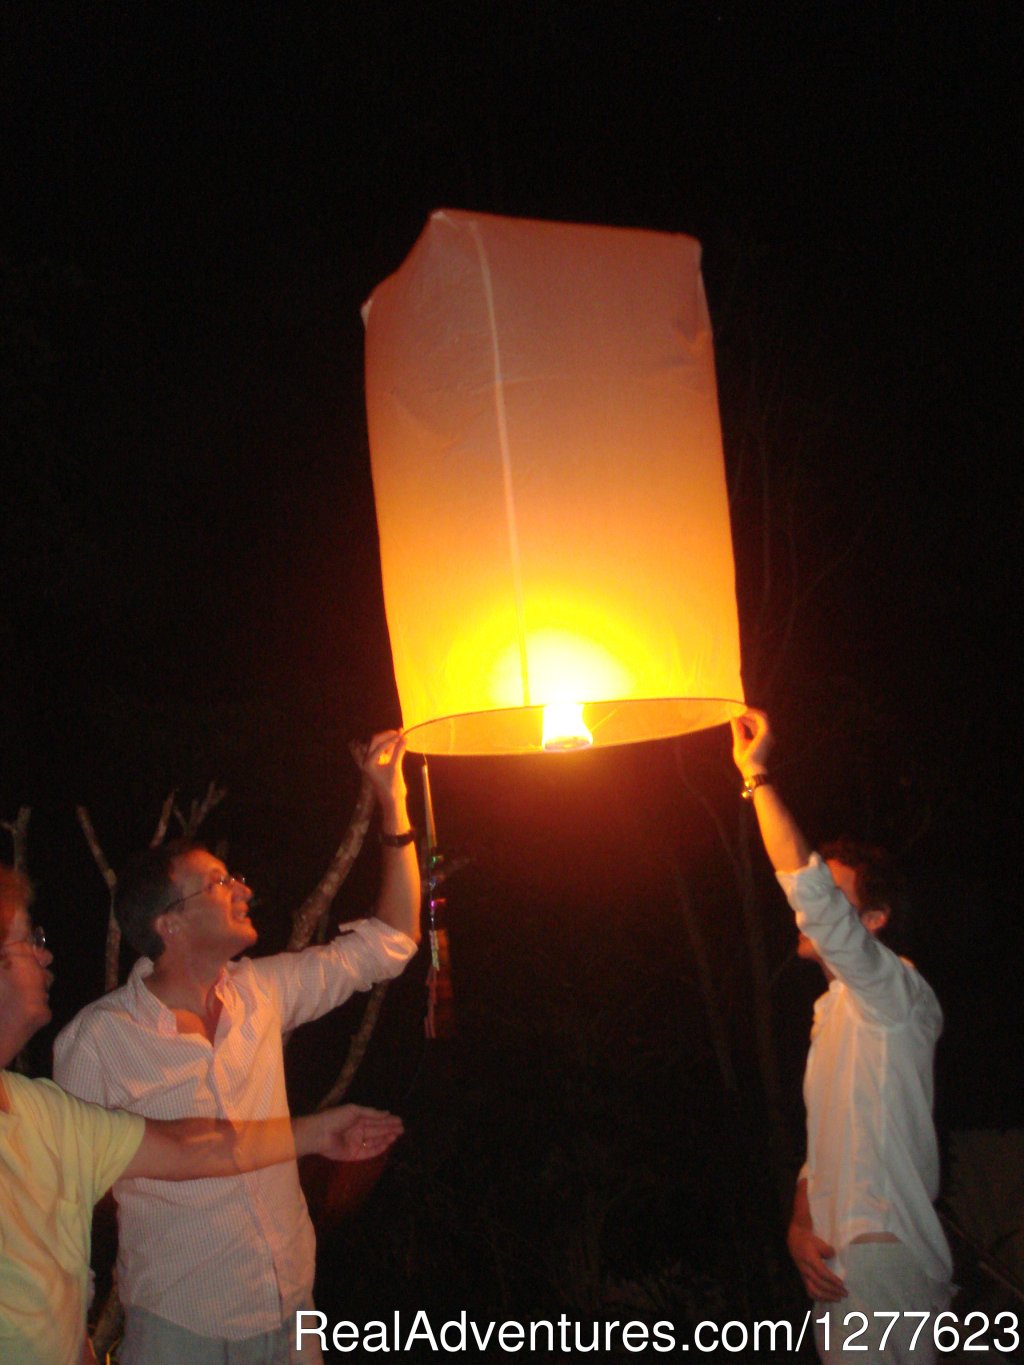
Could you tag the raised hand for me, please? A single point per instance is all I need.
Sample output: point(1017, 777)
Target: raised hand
point(381, 764)
point(752, 742)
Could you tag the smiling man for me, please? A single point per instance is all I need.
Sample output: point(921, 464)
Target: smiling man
point(216, 1270)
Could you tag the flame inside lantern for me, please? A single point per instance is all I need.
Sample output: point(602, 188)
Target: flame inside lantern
point(564, 728)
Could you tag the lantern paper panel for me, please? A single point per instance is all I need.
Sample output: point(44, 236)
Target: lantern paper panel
point(550, 491)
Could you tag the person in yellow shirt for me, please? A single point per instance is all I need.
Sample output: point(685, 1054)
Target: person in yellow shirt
point(58, 1155)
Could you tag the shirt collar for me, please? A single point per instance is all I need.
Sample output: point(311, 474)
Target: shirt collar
point(147, 1007)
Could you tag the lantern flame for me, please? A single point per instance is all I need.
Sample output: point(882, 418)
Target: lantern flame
point(564, 729)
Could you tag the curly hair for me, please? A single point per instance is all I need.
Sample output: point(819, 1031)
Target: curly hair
point(145, 887)
point(879, 885)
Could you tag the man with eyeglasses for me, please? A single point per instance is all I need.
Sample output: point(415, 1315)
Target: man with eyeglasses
point(220, 1268)
point(58, 1156)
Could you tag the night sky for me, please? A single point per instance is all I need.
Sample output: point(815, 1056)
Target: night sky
point(198, 198)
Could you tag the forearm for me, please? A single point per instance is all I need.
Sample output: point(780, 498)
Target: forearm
point(801, 1212)
point(787, 849)
point(199, 1148)
point(194, 1149)
point(801, 1228)
point(398, 904)
point(752, 744)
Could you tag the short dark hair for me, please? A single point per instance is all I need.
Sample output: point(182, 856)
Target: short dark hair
point(143, 892)
point(879, 885)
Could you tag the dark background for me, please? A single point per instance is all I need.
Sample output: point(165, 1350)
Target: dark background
point(198, 199)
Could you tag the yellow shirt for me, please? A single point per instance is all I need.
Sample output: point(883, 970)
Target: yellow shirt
point(58, 1155)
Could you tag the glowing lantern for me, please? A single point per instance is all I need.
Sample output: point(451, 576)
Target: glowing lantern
point(551, 500)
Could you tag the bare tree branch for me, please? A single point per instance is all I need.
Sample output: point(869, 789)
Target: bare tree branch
point(113, 949)
point(357, 1047)
point(314, 909)
point(100, 858)
point(112, 961)
point(18, 830)
point(160, 833)
point(311, 919)
point(199, 810)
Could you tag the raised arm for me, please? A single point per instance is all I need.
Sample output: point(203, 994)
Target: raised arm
point(192, 1149)
point(826, 914)
point(398, 904)
point(784, 843)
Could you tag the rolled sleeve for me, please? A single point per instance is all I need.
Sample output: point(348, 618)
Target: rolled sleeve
point(310, 983)
point(880, 983)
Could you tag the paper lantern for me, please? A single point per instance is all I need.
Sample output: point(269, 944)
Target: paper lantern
point(551, 500)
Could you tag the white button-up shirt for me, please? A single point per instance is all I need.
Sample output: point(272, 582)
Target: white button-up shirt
point(872, 1155)
point(226, 1258)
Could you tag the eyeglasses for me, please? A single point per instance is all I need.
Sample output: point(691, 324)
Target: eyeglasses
point(36, 940)
point(225, 879)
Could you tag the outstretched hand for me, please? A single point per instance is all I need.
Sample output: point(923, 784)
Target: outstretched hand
point(380, 762)
point(809, 1255)
point(354, 1133)
point(752, 742)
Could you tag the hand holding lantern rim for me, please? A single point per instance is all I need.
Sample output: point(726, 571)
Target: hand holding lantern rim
point(752, 742)
point(380, 762)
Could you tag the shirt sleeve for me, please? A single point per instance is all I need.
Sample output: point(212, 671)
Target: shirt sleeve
point(883, 986)
point(96, 1143)
point(310, 983)
point(76, 1064)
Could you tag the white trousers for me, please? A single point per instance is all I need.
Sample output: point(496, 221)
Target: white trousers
point(882, 1279)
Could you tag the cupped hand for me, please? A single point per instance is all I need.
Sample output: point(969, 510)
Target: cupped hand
point(354, 1133)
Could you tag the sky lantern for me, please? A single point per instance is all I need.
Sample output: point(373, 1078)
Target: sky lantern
point(550, 490)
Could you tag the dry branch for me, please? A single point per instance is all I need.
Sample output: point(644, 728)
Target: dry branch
point(314, 909)
point(106, 871)
point(357, 1047)
point(311, 918)
point(199, 810)
point(160, 833)
point(18, 830)
point(113, 951)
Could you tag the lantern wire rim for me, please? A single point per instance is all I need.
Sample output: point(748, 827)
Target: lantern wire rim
point(507, 730)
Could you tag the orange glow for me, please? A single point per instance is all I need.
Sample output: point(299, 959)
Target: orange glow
point(564, 728)
point(550, 489)
point(563, 664)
